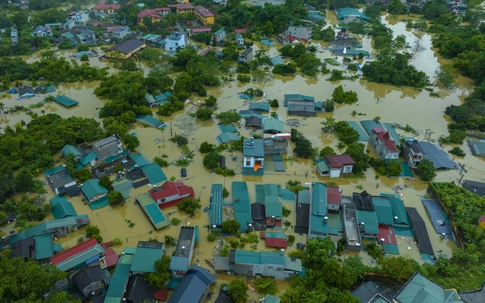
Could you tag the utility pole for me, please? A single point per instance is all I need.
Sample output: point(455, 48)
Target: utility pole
point(171, 133)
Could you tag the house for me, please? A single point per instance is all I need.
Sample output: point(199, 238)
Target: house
point(299, 108)
point(155, 14)
point(55, 228)
point(90, 280)
point(478, 188)
point(239, 40)
point(333, 166)
point(61, 182)
point(14, 36)
point(253, 153)
point(481, 222)
point(45, 89)
point(175, 41)
point(194, 287)
point(242, 205)
point(180, 263)
point(215, 207)
point(93, 192)
point(120, 277)
point(119, 32)
point(125, 49)
point(219, 35)
point(319, 226)
point(71, 149)
point(40, 31)
point(247, 56)
point(283, 39)
point(477, 147)
point(65, 101)
point(299, 32)
point(263, 264)
point(108, 147)
point(274, 239)
point(440, 158)
point(69, 24)
point(202, 29)
point(413, 153)
point(254, 122)
point(297, 98)
point(62, 208)
point(276, 145)
point(268, 195)
point(348, 15)
point(272, 126)
point(86, 36)
point(26, 91)
point(204, 15)
point(147, 253)
point(383, 145)
point(152, 211)
point(240, 31)
point(334, 200)
point(171, 193)
point(37, 247)
point(138, 290)
point(418, 286)
point(366, 214)
point(103, 8)
point(259, 106)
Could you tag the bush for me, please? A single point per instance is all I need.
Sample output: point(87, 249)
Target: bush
point(117, 242)
point(189, 205)
point(211, 237)
point(274, 103)
point(206, 147)
point(175, 221)
point(457, 152)
point(243, 78)
point(180, 140)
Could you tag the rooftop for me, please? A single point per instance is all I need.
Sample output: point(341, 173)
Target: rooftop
point(128, 46)
point(253, 148)
point(146, 255)
point(185, 241)
point(339, 161)
point(152, 211)
point(197, 279)
point(203, 11)
point(215, 208)
point(441, 160)
point(385, 138)
point(421, 289)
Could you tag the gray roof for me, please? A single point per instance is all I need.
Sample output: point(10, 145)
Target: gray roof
point(440, 158)
point(253, 148)
point(193, 285)
point(477, 148)
point(88, 275)
point(420, 289)
point(475, 187)
point(127, 46)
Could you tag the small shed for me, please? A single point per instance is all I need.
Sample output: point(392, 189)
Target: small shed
point(65, 101)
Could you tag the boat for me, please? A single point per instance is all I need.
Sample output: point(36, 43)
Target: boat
point(208, 262)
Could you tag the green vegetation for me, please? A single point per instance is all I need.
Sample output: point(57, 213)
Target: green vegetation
point(162, 273)
point(426, 170)
point(117, 242)
point(303, 147)
point(211, 160)
point(229, 117)
point(238, 291)
point(286, 211)
point(106, 182)
point(285, 69)
point(206, 147)
point(266, 286)
point(175, 221)
point(92, 231)
point(116, 198)
point(230, 227)
point(180, 140)
point(344, 97)
point(457, 152)
point(204, 113)
point(294, 186)
point(189, 205)
point(383, 167)
point(211, 237)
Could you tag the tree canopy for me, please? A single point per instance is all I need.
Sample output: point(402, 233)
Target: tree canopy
point(189, 205)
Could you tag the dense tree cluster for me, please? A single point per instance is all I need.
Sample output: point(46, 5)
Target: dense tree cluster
point(341, 96)
point(303, 147)
point(189, 205)
point(308, 63)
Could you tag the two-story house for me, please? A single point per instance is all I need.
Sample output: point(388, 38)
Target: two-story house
point(219, 35)
point(299, 32)
point(175, 41)
point(253, 153)
point(180, 263)
point(246, 56)
point(383, 145)
point(204, 15)
point(333, 166)
point(413, 153)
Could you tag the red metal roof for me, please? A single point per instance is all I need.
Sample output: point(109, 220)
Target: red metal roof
point(333, 195)
point(152, 13)
point(169, 189)
point(161, 294)
point(262, 234)
point(111, 258)
point(338, 161)
point(73, 251)
point(291, 38)
point(384, 137)
point(183, 6)
point(240, 31)
point(386, 233)
point(107, 6)
point(276, 242)
point(201, 29)
point(203, 11)
point(113, 29)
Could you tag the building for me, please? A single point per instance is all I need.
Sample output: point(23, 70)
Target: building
point(53, 228)
point(194, 287)
point(268, 195)
point(26, 91)
point(171, 193)
point(302, 210)
point(204, 15)
point(478, 188)
point(155, 14)
point(147, 253)
point(419, 288)
point(319, 227)
point(413, 153)
point(125, 49)
point(477, 148)
point(90, 280)
point(215, 207)
point(103, 8)
point(239, 40)
point(334, 200)
point(242, 205)
point(180, 263)
point(69, 24)
point(183, 8)
point(253, 153)
point(93, 192)
point(61, 182)
point(219, 35)
point(108, 147)
point(119, 32)
point(352, 227)
point(299, 32)
point(440, 158)
point(333, 166)
point(272, 126)
point(263, 264)
point(300, 105)
point(175, 41)
point(78, 256)
point(366, 214)
point(383, 145)
point(283, 39)
point(120, 277)
point(348, 15)
point(14, 35)
point(152, 211)
point(274, 239)
point(247, 56)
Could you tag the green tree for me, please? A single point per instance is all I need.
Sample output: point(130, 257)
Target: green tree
point(426, 170)
point(229, 117)
point(92, 231)
point(230, 227)
point(180, 140)
point(344, 97)
point(399, 268)
point(327, 151)
point(211, 101)
point(394, 168)
point(238, 291)
point(211, 237)
point(211, 160)
point(189, 205)
point(162, 273)
point(204, 114)
point(268, 28)
point(106, 182)
point(356, 152)
point(131, 142)
point(206, 147)
point(18, 273)
point(294, 186)
point(265, 286)
point(116, 198)
point(397, 7)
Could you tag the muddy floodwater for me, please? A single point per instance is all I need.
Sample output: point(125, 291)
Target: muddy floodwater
point(392, 104)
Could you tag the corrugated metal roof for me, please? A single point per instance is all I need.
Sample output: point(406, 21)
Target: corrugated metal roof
point(319, 198)
point(56, 169)
point(215, 208)
point(65, 101)
point(272, 124)
point(259, 106)
point(227, 137)
point(139, 159)
point(398, 209)
point(91, 188)
point(62, 208)
point(151, 209)
point(196, 281)
point(79, 258)
point(145, 257)
point(88, 158)
point(154, 173)
point(253, 148)
point(43, 246)
point(370, 221)
point(421, 289)
point(271, 299)
point(242, 204)
point(363, 136)
point(293, 264)
point(317, 227)
point(119, 279)
point(124, 188)
point(179, 263)
point(384, 210)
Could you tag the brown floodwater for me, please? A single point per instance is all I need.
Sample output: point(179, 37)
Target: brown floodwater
point(396, 105)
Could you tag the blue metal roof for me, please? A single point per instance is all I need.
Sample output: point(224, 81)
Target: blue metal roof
point(154, 173)
point(242, 204)
point(215, 208)
point(193, 286)
point(319, 198)
point(62, 208)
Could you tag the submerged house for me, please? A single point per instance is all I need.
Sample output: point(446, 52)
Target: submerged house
point(300, 105)
point(90, 280)
point(413, 153)
point(171, 193)
point(319, 227)
point(383, 145)
point(215, 207)
point(95, 194)
point(79, 256)
point(108, 147)
point(335, 165)
point(180, 263)
point(194, 287)
point(61, 182)
point(253, 153)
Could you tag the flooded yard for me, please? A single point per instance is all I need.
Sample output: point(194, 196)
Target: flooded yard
point(394, 105)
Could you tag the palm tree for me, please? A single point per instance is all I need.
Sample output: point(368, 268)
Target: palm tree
point(2, 107)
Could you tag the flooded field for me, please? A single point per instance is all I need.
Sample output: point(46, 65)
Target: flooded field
point(395, 105)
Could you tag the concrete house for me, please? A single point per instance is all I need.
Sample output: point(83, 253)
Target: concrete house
point(180, 263)
point(86, 36)
point(263, 264)
point(103, 8)
point(247, 56)
point(413, 153)
point(215, 208)
point(204, 15)
point(283, 39)
point(108, 147)
point(333, 166)
point(418, 286)
point(253, 153)
point(348, 15)
point(299, 32)
point(268, 195)
point(61, 182)
point(239, 40)
point(194, 287)
point(175, 40)
point(119, 32)
point(219, 35)
point(319, 226)
point(69, 24)
point(81, 255)
point(155, 14)
point(93, 192)
point(171, 193)
point(383, 145)
point(14, 35)
point(90, 280)
point(147, 253)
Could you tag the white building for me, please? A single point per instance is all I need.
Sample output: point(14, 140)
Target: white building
point(299, 32)
point(175, 40)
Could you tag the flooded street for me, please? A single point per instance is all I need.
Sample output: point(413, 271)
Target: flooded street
point(396, 105)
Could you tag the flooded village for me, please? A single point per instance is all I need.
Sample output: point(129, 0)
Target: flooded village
point(396, 213)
